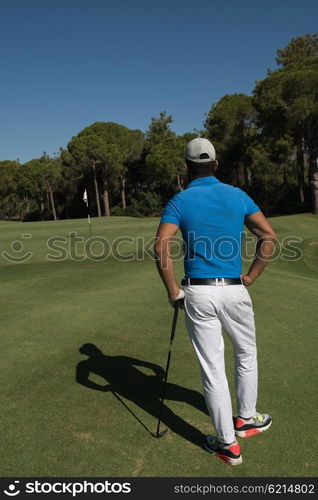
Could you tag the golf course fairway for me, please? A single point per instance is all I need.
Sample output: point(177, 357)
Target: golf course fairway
point(70, 413)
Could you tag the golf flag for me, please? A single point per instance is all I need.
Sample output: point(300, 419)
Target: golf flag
point(85, 199)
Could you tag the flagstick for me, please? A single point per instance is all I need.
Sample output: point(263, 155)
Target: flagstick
point(89, 224)
point(89, 220)
point(85, 199)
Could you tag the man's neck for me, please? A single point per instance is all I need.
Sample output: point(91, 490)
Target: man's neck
point(192, 178)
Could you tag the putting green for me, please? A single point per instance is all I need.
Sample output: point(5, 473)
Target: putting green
point(54, 420)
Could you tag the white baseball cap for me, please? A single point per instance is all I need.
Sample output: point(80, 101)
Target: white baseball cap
point(200, 150)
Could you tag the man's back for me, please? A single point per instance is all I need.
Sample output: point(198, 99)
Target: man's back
point(211, 217)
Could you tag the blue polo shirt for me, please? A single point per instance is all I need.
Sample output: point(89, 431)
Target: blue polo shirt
point(211, 217)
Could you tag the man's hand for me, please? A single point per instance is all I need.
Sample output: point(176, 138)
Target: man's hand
point(178, 298)
point(246, 280)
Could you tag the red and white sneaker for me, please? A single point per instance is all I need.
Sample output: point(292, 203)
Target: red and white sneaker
point(258, 423)
point(231, 453)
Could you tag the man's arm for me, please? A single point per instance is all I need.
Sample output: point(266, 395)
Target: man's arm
point(266, 237)
point(158, 371)
point(82, 377)
point(165, 235)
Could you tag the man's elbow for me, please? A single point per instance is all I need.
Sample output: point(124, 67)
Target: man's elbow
point(161, 249)
point(268, 236)
point(158, 248)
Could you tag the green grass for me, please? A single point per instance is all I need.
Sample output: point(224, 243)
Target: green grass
point(54, 426)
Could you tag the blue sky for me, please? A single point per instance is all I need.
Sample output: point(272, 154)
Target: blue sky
point(68, 63)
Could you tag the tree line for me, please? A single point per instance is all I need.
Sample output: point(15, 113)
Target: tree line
point(267, 144)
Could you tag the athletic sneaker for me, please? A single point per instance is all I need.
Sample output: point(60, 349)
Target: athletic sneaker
point(231, 453)
point(246, 428)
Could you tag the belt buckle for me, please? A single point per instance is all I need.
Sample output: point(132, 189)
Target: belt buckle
point(221, 283)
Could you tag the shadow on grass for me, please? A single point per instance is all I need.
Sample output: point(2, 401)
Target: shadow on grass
point(124, 379)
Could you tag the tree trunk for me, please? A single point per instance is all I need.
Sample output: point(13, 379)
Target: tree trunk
point(314, 184)
point(179, 182)
point(237, 172)
point(123, 192)
point(313, 176)
point(52, 202)
point(301, 169)
point(27, 210)
point(247, 175)
point(42, 207)
point(99, 213)
point(106, 200)
point(313, 162)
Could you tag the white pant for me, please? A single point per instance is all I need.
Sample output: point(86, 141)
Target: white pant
point(208, 309)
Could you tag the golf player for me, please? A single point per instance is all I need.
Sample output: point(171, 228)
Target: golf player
point(211, 216)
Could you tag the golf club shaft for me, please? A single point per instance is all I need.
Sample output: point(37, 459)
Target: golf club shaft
point(130, 411)
point(173, 330)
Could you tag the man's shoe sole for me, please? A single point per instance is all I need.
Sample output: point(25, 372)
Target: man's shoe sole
point(225, 458)
point(252, 432)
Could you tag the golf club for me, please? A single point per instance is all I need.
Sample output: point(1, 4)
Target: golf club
point(173, 330)
point(132, 413)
